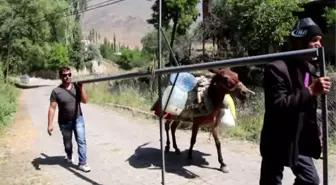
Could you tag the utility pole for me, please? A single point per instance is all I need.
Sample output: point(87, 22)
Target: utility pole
point(9, 46)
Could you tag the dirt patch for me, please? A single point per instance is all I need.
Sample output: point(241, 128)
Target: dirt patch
point(16, 150)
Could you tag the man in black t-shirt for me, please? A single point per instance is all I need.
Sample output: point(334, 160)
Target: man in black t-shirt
point(68, 97)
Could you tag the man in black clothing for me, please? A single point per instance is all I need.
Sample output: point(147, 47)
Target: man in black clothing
point(290, 135)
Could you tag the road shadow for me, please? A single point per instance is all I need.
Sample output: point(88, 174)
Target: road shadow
point(21, 86)
point(147, 157)
point(59, 161)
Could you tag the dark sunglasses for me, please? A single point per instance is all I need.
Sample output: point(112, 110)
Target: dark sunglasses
point(65, 75)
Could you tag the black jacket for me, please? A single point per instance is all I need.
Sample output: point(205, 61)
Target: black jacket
point(290, 122)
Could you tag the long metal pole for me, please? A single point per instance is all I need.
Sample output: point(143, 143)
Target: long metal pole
point(160, 95)
point(324, 120)
point(254, 60)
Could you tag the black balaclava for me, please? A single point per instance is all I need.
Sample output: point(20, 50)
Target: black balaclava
point(306, 29)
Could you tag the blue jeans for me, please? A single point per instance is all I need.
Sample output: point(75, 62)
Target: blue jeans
point(79, 131)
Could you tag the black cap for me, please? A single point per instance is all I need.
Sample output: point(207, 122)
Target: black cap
point(306, 29)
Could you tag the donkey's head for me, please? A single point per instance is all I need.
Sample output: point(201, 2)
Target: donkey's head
point(227, 82)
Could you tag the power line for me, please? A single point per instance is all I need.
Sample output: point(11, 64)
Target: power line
point(66, 9)
point(101, 6)
point(70, 4)
point(89, 8)
point(99, 3)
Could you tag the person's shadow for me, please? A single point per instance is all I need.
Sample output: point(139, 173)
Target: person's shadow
point(60, 161)
point(146, 157)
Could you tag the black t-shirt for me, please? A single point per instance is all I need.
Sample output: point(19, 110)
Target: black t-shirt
point(68, 107)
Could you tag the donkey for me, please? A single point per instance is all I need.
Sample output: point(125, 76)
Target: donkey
point(223, 82)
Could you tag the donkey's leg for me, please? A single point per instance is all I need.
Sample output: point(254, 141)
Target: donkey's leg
point(195, 128)
point(167, 125)
point(215, 133)
point(174, 126)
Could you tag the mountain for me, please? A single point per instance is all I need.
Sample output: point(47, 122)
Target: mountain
point(127, 19)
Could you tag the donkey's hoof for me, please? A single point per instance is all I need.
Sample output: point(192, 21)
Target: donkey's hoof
point(177, 152)
point(166, 149)
point(224, 169)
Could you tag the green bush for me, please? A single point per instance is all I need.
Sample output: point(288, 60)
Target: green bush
point(330, 15)
point(132, 59)
point(8, 99)
point(92, 53)
point(128, 59)
point(126, 95)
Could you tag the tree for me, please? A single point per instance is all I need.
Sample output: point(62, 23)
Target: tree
point(58, 56)
point(268, 22)
point(149, 43)
point(150, 40)
point(78, 7)
point(105, 48)
point(77, 48)
point(330, 15)
point(61, 25)
point(244, 28)
point(39, 35)
point(92, 53)
point(183, 13)
point(114, 46)
point(28, 30)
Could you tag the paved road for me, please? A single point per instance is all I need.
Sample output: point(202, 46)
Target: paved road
point(124, 150)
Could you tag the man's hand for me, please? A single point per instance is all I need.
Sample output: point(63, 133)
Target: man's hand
point(80, 85)
point(320, 86)
point(84, 97)
point(51, 114)
point(50, 129)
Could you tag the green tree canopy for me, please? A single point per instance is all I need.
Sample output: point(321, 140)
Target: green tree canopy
point(255, 25)
point(248, 27)
point(183, 11)
point(330, 15)
point(38, 34)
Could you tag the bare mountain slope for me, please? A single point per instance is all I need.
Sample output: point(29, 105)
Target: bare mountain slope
point(127, 19)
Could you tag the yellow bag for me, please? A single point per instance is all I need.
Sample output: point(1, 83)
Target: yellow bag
point(228, 103)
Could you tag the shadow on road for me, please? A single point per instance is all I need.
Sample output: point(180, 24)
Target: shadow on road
point(29, 86)
point(59, 160)
point(145, 157)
